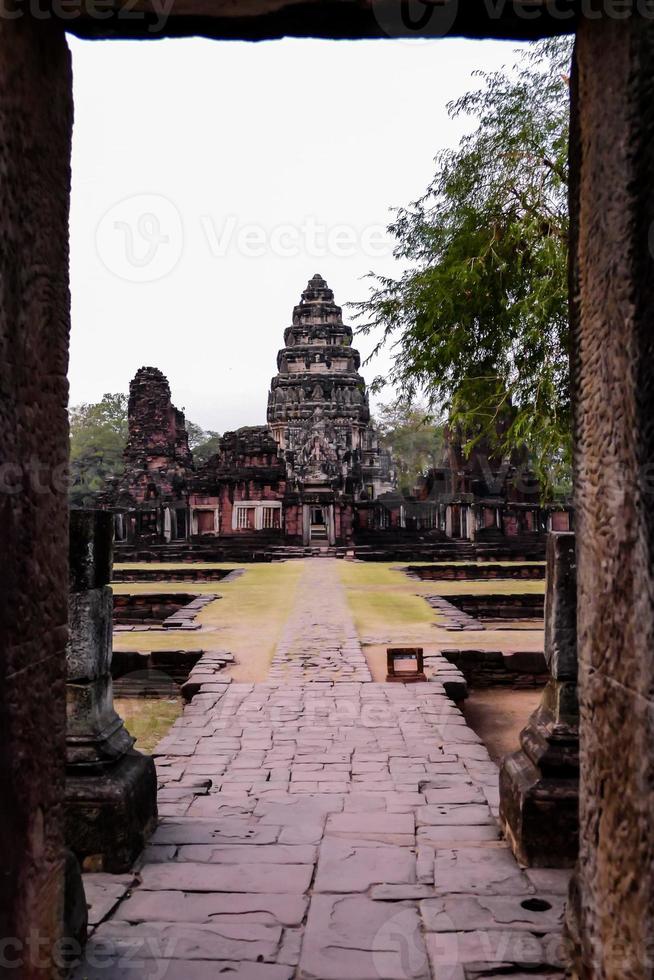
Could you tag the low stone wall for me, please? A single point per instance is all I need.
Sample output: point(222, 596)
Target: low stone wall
point(189, 574)
point(187, 553)
point(148, 608)
point(474, 571)
point(500, 668)
point(526, 605)
point(143, 673)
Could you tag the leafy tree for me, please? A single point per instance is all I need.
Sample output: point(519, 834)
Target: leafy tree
point(203, 442)
point(479, 320)
point(98, 433)
point(416, 442)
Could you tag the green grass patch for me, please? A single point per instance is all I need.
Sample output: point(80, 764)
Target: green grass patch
point(247, 620)
point(148, 720)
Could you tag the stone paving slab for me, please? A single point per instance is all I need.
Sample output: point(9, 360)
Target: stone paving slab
point(236, 940)
point(357, 938)
point(480, 871)
point(177, 906)
point(248, 854)
point(97, 966)
point(193, 877)
point(353, 866)
point(320, 826)
point(103, 893)
point(454, 954)
point(544, 914)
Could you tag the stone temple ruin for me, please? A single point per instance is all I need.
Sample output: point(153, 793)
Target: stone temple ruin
point(316, 474)
point(612, 210)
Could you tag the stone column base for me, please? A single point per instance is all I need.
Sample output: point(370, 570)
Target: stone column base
point(110, 813)
point(539, 814)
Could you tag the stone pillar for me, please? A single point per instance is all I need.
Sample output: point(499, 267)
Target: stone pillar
point(539, 785)
point(111, 790)
point(611, 915)
point(35, 134)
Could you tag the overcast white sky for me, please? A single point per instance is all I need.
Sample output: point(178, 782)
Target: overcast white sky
point(211, 180)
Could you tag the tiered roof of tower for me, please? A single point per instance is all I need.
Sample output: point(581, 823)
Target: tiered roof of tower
point(318, 367)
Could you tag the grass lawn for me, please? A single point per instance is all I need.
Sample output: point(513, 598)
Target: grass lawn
point(384, 601)
point(247, 620)
point(386, 604)
point(148, 720)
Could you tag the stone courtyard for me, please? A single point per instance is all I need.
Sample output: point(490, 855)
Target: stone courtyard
point(321, 825)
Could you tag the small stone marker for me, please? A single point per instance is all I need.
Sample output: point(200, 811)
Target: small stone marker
point(405, 664)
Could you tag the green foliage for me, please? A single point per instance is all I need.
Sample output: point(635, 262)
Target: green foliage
point(98, 433)
point(204, 442)
point(415, 441)
point(479, 321)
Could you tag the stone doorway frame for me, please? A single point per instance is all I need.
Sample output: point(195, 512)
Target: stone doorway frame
point(612, 303)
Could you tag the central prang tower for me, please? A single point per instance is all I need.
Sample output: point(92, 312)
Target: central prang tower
point(318, 405)
point(319, 416)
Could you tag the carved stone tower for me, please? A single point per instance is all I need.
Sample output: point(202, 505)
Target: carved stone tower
point(157, 446)
point(319, 416)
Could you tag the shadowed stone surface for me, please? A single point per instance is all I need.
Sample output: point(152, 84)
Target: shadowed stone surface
point(36, 114)
point(612, 156)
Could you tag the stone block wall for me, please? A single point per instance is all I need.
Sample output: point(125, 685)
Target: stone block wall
point(612, 286)
point(482, 669)
point(477, 572)
point(149, 607)
point(35, 122)
point(510, 606)
point(168, 575)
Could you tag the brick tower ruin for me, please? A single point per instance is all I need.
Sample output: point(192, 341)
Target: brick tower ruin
point(158, 462)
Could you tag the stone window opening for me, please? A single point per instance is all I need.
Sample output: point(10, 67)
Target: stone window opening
point(205, 520)
point(271, 517)
point(257, 515)
point(245, 518)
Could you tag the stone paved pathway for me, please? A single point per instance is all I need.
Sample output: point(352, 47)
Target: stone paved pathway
point(320, 642)
point(316, 826)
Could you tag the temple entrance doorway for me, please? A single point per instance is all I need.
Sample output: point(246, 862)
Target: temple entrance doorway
point(318, 524)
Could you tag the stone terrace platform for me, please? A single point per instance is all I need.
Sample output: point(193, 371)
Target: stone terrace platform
point(314, 826)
